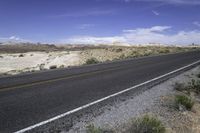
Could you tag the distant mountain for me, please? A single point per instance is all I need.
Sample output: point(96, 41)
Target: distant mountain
point(16, 47)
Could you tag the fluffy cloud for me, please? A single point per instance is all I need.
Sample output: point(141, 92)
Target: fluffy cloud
point(148, 30)
point(188, 2)
point(12, 39)
point(94, 40)
point(156, 34)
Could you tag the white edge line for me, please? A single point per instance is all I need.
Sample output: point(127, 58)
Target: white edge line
point(100, 100)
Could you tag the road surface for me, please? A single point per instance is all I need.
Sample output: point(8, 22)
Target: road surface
point(31, 98)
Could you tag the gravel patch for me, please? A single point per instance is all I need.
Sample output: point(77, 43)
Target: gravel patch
point(150, 101)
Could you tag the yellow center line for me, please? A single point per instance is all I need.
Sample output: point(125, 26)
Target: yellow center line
point(58, 79)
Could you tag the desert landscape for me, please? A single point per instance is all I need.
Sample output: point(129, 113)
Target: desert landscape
point(100, 66)
point(21, 58)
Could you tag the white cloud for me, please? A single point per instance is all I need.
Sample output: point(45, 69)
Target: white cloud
point(147, 30)
point(155, 13)
point(93, 40)
point(180, 37)
point(156, 34)
point(187, 2)
point(196, 23)
point(13, 39)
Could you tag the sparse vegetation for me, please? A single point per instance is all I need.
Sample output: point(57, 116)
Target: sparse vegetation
point(62, 66)
point(92, 129)
point(21, 55)
point(179, 86)
point(194, 85)
point(164, 51)
point(183, 101)
point(146, 124)
point(41, 66)
point(81, 54)
point(119, 50)
point(122, 56)
point(53, 67)
point(27, 47)
point(91, 61)
point(149, 124)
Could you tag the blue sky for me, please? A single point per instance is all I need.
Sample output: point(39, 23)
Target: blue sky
point(101, 21)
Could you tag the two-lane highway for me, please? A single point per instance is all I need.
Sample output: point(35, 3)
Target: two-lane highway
point(31, 98)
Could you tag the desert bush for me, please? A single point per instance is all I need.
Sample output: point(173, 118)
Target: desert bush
point(122, 56)
point(135, 54)
point(119, 50)
point(183, 100)
point(179, 86)
point(164, 51)
point(147, 54)
point(195, 86)
point(146, 124)
point(92, 61)
point(62, 66)
point(53, 67)
point(21, 55)
point(93, 129)
point(41, 66)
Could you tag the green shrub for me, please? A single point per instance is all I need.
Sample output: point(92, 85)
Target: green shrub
point(146, 124)
point(93, 129)
point(184, 101)
point(92, 61)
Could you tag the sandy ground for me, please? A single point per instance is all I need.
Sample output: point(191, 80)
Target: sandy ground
point(33, 61)
point(155, 101)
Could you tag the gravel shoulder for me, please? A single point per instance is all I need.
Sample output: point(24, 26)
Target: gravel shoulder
point(156, 101)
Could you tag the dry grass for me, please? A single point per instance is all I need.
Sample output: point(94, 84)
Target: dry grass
point(185, 101)
point(146, 124)
point(93, 129)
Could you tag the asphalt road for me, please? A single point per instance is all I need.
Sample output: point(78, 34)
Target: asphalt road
point(31, 98)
